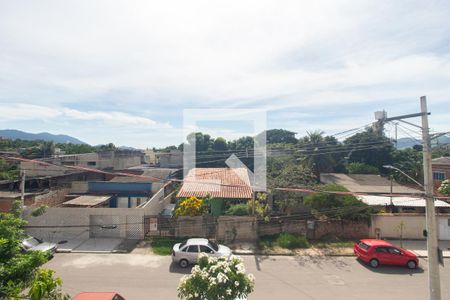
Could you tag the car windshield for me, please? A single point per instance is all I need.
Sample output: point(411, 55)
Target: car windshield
point(31, 242)
point(182, 245)
point(363, 245)
point(214, 246)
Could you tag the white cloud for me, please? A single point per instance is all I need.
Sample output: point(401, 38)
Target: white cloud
point(25, 112)
point(162, 57)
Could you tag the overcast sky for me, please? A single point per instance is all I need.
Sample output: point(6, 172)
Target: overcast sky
point(124, 71)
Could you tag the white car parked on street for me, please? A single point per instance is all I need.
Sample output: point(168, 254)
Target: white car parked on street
point(187, 253)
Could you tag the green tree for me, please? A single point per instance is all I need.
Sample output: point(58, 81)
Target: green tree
point(220, 144)
point(361, 168)
point(316, 155)
point(332, 205)
point(280, 136)
point(369, 147)
point(409, 161)
point(45, 286)
point(287, 172)
point(445, 187)
point(16, 268)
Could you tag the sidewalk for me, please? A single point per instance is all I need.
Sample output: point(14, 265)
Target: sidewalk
point(92, 245)
point(419, 247)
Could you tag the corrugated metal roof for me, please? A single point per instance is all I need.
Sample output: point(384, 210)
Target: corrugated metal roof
point(441, 161)
point(399, 201)
point(87, 201)
point(366, 183)
point(217, 182)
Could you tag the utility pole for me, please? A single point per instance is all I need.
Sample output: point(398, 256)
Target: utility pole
point(396, 139)
point(432, 244)
point(22, 190)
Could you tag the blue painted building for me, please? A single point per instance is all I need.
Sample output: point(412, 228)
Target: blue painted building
point(124, 194)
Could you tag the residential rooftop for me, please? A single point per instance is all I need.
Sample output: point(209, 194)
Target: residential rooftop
point(367, 183)
point(217, 182)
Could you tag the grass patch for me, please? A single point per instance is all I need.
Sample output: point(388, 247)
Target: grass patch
point(329, 241)
point(164, 245)
point(283, 240)
point(341, 244)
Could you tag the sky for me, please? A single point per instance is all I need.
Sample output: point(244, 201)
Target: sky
point(125, 71)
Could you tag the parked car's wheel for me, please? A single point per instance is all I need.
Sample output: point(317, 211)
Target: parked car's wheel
point(374, 263)
point(411, 264)
point(183, 263)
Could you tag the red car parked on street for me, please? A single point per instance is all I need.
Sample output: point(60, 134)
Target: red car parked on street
point(379, 252)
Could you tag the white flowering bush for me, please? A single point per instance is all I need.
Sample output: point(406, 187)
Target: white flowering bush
point(216, 278)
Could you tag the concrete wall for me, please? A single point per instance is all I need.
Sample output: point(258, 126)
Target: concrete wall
point(79, 187)
point(231, 229)
point(172, 159)
point(33, 169)
point(157, 203)
point(74, 223)
point(391, 225)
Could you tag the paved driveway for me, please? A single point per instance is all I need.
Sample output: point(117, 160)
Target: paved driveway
point(140, 276)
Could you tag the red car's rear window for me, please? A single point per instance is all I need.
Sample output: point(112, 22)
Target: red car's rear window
point(363, 245)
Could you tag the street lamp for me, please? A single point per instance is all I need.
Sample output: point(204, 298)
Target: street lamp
point(397, 169)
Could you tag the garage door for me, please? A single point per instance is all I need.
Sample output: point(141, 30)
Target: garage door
point(103, 226)
point(444, 228)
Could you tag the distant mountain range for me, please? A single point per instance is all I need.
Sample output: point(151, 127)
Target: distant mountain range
point(44, 136)
point(403, 143)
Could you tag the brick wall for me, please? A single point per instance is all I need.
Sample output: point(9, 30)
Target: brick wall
point(276, 226)
point(51, 199)
point(338, 228)
point(190, 226)
point(231, 229)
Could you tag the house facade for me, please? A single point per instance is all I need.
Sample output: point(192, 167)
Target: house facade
point(441, 170)
point(224, 185)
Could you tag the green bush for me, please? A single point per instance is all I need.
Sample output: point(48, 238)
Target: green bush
point(291, 241)
point(237, 210)
point(361, 168)
point(164, 245)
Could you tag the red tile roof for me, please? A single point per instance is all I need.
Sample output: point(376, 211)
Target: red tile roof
point(217, 182)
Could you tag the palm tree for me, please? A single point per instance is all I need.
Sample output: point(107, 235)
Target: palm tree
point(315, 156)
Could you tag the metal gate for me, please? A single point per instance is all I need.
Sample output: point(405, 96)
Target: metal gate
point(104, 226)
point(135, 227)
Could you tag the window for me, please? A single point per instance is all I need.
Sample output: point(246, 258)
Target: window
point(92, 163)
point(192, 248)
point(214, 245)
point(394, 251)
point(381, 250)
point(448, 222)
point(364, 246)
point(205, 249)
point(118, 297)
point(439, 176)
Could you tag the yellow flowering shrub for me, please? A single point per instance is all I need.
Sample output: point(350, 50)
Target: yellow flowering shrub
point(192, 207)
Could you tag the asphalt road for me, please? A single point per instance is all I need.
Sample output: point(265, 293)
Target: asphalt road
point(140, 276)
